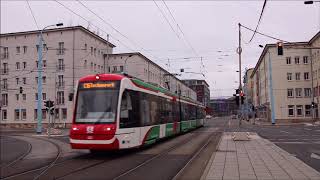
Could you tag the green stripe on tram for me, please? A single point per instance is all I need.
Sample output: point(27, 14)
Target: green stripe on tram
point(169, 129)
point(153, 135)
point(185, 125)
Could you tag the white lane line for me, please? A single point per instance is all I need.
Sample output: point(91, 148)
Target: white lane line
point(285, 132)
point(315, 156)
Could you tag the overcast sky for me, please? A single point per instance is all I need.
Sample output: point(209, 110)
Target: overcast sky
point(209, 27)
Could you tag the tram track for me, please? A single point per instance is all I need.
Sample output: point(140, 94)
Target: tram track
point(43, 169)
point(19, 158)
point(166, 153)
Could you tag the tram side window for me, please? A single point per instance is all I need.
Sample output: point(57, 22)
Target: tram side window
point(144, 109)
point(154, 109)
point(129, 109)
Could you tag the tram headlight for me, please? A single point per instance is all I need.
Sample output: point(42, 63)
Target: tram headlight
point(97, 77)
point(75, 129)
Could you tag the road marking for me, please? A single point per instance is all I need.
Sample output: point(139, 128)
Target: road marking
point(315, 156)
point(307, 129)
point(285, 132)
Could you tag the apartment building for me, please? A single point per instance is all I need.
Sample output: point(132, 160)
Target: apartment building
point(248, 85)
point(68, 54)
point(201, 87)
point(137, 65)
point(315, 56)
point(291, 85)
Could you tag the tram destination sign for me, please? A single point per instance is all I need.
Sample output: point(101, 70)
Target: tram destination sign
point(98, 85)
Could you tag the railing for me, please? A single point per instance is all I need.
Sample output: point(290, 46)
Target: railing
point(4, 56)
point(60, 84)
point(4, 87)
point(60, 67)
point(4, 71)
point(60, 51)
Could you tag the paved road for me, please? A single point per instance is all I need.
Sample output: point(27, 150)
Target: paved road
point(302, 140)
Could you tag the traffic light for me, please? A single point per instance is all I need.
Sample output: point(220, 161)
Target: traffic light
point(52, 111)
point(313, 105)
point(237, 96)
point(48, 104)
point(280, 48)
point(21, 90)
point(242, 99)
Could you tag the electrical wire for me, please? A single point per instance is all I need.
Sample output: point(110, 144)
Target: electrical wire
point(263, 7)
point(34, 19)
point(264, 34)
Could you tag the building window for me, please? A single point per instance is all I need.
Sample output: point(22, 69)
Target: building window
point(17, 81)
point(289, 76)
point(35, 114)
point(91, 50)
point(290, 110)
point(25, 49)
point(60, 81)
point(24, 97)
point(64, 113)
point(44, 79)
point(56, 113)
point(298, 92)
point(44, 96)
point(5, 53)
point(85, 64)
point(44, 114)
point(5, 84)
point(61, 48)
point(24, 114)
point(94, 50)
point(24, 65)
point(299, 110)
point(4, 99)
point(16, 114)
point(297, 60)
point(308, 110)
point(18, 49)
point(306, 76)
point(290, 93)
point(114, 68)
point(37, 64)
point(60, 97)
point(44, 63)
point(17, 65)
point(109, 69)
point(121, 68)
point(24, 80)
point(297, 76)
point(85, 47)
point(17, 97)
point(305, 60)
point(288, 59)
point(307, 92)
point(60, 64)
point(4, 114)
point(36, 96)
point(44, 47)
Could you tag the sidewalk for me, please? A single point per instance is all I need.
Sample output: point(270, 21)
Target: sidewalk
point(256, 158)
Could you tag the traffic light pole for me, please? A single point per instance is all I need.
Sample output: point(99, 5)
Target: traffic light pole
point(239, 51)
point(39, 110)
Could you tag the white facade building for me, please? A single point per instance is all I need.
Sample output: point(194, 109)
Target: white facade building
point(291, 83)
point(69, 53)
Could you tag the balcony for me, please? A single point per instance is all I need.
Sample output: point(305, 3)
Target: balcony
point(4, 87)
point(60, 51)
point(4, 71)
point(60, 84)
point(60, 67)
point(4, 56)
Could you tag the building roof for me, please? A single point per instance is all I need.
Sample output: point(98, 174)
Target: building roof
point(59, 29)
point(196, 80)
point(147, 59)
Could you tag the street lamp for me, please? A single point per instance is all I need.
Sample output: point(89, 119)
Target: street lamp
point(310, 2)
point(125, 64)
point(39, 109)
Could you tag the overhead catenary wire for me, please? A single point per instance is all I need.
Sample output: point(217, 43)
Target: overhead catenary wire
point(254, 33)
point(34, 18)
point(264, 34)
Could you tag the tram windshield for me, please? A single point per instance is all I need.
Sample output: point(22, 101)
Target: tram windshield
point(97, 103)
